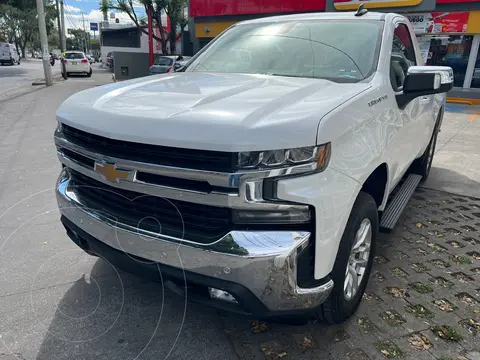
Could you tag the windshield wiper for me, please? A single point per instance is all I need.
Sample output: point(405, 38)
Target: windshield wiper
point(286, 75)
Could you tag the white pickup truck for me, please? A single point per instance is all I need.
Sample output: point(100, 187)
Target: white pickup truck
point(256, 177)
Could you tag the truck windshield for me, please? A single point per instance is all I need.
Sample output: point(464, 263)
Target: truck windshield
point(337, 50)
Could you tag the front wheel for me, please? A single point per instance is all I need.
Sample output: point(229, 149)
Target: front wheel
point(354, 262)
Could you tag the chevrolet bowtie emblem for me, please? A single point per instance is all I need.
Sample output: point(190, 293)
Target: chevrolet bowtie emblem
point(110, 171)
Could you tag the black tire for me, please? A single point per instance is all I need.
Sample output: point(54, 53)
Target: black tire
point(423, 164)
point(336, 309)
point(89, 74)
point(12, 62)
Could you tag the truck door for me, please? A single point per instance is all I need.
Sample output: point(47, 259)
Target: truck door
point(412, 116)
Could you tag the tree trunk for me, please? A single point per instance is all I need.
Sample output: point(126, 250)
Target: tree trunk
point(173, 41)
point(164, 39)
point(21, 46)
point(158, 18)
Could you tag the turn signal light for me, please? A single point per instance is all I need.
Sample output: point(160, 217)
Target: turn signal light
point(84, 61)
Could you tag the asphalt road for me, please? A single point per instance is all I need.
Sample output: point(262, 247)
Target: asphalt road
point(56, 302)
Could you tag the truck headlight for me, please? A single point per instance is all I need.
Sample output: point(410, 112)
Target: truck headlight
point(319, 155)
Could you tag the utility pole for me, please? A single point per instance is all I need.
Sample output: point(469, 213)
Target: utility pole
point(63, 39)
point(84, 33)
point(44, 42)
point(60, 28)
point(61, 35)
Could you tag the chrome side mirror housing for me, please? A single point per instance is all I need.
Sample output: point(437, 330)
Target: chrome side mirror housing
point(425, 80)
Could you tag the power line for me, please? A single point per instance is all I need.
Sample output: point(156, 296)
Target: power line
point(69, 16)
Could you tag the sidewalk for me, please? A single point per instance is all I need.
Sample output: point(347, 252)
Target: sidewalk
point(20, 84)
point(456, 165)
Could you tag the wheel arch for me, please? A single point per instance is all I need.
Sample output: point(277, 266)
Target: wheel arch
point(440, 115)
point(376, 185)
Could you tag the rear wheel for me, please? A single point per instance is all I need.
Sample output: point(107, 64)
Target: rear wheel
point(89, 73)
point(12, 62)
point(354, 262)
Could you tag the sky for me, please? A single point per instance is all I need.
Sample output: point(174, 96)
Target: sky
point(90, 9)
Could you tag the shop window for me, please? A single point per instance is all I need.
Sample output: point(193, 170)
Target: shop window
point(449, 50)
point(403, 56)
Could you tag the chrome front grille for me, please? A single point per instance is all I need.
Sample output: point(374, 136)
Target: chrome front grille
point(179, 219)
point(217, 189)
point(153, 154)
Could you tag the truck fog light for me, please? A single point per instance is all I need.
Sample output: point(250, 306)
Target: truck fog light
point(296, 215)
point(217, 294)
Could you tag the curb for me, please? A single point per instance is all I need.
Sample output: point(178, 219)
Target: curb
point(465, 101)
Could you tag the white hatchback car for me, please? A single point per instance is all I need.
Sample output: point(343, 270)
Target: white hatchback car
point(76, 62)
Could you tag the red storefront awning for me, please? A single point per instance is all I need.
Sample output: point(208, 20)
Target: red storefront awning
point(244, 7)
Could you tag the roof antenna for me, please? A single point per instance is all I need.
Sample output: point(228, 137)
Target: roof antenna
point(361, 11)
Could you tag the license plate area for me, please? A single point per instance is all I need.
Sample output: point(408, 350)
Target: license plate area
point(74, 62)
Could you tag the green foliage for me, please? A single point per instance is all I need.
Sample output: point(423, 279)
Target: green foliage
point(19, 22)
point(77, 41)
point(95, 44)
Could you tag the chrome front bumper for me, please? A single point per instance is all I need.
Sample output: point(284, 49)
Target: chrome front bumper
point(264, 262)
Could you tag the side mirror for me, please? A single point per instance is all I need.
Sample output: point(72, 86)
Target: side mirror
point(425, 80)
point(177, 66)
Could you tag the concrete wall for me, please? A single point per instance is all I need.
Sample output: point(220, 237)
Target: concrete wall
point(134, 63)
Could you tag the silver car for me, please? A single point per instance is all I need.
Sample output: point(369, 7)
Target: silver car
point(166, 64)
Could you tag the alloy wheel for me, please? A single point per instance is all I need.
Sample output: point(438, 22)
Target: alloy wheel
point(358, 260)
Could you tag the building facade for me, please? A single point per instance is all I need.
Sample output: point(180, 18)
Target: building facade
point(448, 31)
point(130, 39)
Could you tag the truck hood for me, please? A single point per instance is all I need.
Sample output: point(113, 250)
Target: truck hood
point(222, 112)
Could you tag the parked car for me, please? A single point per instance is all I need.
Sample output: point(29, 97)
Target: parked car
point(165, 64)
point(9, 54)
point(76, 62)
point(90, 59)
point(109, 60)
point(257, 180)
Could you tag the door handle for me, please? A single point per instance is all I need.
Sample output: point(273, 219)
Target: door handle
point(425, 99)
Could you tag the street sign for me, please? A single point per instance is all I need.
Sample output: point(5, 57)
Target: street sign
point(94, 26)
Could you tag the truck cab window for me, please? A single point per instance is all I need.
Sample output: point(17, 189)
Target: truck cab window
point(403, 56)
